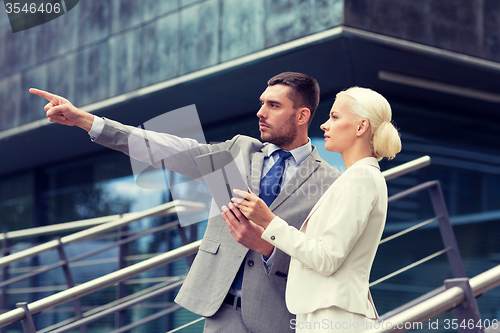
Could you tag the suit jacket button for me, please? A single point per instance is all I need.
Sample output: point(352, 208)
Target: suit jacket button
point(250, 262)
point(273, 238)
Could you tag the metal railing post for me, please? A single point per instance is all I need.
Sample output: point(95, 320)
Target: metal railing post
point(447, 236)
point(185, 241)
point(439, 205)
point(467, 315)
point(70, 282)
point(120, 287)
point(27, 321)
point(4, 298)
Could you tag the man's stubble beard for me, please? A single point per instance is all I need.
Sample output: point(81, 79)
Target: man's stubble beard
point(285, 135)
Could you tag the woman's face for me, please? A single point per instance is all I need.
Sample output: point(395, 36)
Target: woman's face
point(341, 127)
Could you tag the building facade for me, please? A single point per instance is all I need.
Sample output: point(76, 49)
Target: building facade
point(437, 62)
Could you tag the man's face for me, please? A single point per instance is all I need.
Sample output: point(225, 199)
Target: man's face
point(277, 117)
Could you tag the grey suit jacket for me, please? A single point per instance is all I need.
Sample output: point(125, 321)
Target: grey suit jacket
point(220, 256)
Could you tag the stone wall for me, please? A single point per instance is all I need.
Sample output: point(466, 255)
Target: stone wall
point(104, 48)
point(470, 27)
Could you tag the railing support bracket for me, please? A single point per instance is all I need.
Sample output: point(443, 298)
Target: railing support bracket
point(27, 322)
point(70, 282)
point(467, 315)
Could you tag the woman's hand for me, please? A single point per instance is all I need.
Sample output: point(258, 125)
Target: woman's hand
point(253, 207)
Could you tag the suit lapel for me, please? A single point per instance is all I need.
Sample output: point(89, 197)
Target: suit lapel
point(306, 169)
point(256, 172)
point(253, 181)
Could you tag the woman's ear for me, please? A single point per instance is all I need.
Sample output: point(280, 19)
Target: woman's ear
point(363, 127)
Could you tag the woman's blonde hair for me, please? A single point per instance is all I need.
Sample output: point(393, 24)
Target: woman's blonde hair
point(368, 104)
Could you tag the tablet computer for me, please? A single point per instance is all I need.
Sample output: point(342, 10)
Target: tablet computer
point(222, 176)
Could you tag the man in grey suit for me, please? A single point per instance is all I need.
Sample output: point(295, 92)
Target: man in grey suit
point(238, 287)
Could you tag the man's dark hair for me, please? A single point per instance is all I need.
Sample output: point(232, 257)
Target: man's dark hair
point(304, 92)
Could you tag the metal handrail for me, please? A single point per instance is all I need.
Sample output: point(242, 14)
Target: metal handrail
point(404, 269)
point(161, 210)
point(186, 325)
point(99, 283)
point(407, 167)
point(123, 306)
point(115, 304)
point(60, 227)
point(410, 229)
point(441, 303)
point(78, 258)
point(413, 190)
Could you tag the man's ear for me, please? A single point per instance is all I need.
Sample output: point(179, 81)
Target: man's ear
point(304, 114)
point(363, 127)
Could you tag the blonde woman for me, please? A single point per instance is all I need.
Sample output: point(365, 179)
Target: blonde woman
point(332, 253)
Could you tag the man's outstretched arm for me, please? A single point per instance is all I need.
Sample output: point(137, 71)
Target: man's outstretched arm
point(60, 110)
point(130, 140)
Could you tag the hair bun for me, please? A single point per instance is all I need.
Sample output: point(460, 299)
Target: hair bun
point(386, 141)
point(368, 104)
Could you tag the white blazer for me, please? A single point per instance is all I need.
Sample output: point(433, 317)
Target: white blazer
point(333, 252)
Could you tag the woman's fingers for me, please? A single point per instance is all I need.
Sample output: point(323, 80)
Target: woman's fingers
point(237, 201)
point(228, 217)
point(244, 194)
point(234, 218)
point(237, 213)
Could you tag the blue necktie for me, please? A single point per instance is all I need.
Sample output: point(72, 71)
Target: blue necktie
point(270, 184)
point(270, 187)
